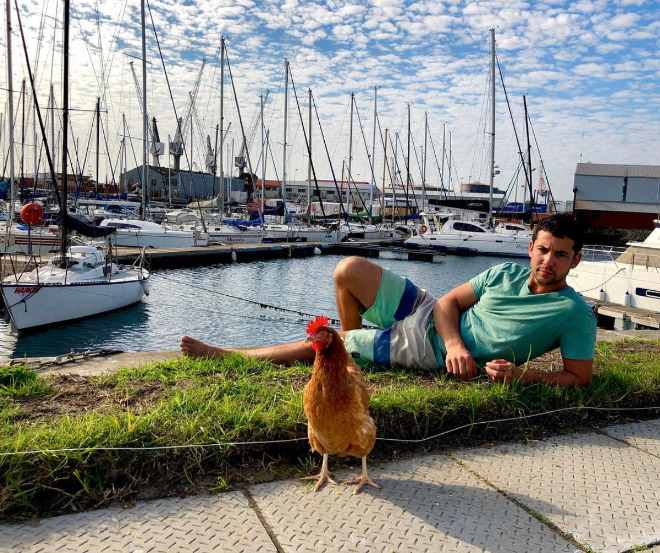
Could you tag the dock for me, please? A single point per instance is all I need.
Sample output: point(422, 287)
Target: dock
point(625, 317)
point(170, 258)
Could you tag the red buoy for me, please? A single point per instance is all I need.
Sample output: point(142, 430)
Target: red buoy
point(32, 214)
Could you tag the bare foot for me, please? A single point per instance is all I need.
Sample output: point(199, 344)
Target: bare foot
point(190, 347)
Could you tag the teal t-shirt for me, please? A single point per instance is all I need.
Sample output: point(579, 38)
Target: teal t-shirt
point(509, 322)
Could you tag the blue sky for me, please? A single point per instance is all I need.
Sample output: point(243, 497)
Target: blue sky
point(590, 71)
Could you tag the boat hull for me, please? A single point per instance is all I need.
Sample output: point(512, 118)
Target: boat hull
point(33, 305)
point(482, 244)
point(167, 239)
point(624, 284)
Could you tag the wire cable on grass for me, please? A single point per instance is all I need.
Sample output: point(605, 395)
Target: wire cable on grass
point(290, 440)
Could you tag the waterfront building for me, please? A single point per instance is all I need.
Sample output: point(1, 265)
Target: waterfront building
point(616, 196)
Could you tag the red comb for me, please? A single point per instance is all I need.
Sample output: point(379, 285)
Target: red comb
point(317, 324)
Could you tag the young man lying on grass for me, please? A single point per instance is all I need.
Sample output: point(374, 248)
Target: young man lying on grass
point(497, 321)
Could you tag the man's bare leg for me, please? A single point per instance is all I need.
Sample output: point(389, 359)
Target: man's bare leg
point(281, 354)
point(356, 286)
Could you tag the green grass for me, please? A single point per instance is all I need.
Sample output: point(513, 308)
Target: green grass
point(191, 402)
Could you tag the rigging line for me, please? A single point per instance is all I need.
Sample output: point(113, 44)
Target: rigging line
point(105, 141)
point(366, 147)
point(240, 120)
point(545, 174)
point(169, 89)
point(528, 178)
point(332, 169)
point(290, 440)
point(437, 165)
point(84, 38)
point(309, 153)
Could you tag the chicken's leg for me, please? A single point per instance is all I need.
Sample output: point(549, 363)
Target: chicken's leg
point(323, 477)
point(362, 480)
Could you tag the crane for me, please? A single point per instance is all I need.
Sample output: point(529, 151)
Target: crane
point(176, 145)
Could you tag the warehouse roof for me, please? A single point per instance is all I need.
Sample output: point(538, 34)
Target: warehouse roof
point(614, 170)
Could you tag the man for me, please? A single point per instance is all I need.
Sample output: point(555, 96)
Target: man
point(497, 321)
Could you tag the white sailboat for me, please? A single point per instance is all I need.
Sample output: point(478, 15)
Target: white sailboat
point(627, 276)
point(81, 282)
point(81, 285)
point(147, 234)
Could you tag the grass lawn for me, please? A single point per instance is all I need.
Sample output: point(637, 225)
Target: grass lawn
point(191, 402)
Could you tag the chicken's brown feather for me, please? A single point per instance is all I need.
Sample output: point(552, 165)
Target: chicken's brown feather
point(336, 403)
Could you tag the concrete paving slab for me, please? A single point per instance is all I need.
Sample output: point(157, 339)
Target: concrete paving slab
point(643, 435)
point(194, 524)
point(426, 504)
point(597, 489)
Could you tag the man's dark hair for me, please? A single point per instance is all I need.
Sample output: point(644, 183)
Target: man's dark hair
point(562, 225)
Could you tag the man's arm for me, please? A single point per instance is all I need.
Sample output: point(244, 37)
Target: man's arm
point(576, 372)
point(446, 315)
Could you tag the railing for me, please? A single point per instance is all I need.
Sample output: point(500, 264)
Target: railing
point(635, 256)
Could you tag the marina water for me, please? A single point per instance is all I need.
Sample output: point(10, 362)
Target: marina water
point(208, 303)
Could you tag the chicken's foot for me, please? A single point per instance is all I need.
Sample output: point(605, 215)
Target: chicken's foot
point(363, 480)
point(323, 477)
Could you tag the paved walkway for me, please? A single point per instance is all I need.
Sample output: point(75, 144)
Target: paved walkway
point(587, 492)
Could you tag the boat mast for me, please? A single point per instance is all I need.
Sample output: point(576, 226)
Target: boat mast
point(382, 195)
point(143, 203)
point(529, 166)
point(491, 165)
point(98, 134)
point(263, 165)
point(350, 153)
point(11, 117)
point(373, 156)
point(309, 165)
point(221, 196)
point(65, 128)
point(426, 136)
point(408, 165)
point(286, 112)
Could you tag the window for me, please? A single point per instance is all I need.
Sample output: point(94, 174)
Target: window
point(467, 227)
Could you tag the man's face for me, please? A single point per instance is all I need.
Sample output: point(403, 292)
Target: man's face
point(551, 259)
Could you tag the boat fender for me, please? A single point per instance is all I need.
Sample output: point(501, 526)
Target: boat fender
point(423, 229)
point(626, 299)
point(601, 295)
point(317, 251)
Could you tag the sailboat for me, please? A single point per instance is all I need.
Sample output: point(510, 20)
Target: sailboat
point(80, 282)
point(474, 236)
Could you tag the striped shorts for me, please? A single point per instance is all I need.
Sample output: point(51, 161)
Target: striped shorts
point(403, 314)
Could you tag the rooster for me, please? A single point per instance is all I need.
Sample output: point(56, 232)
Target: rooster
point(336, 403)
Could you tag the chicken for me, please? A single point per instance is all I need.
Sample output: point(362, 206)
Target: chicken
point(336, 403)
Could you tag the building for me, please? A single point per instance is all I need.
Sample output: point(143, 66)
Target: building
point(182, 184)
point(616, 196)
point(296, 191)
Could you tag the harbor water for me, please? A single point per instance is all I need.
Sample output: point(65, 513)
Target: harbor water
point(225, 304)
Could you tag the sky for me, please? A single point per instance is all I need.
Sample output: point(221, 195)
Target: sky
point(589, 70)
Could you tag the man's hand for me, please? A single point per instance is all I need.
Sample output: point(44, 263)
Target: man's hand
point(501, 370)
point(460, 363)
